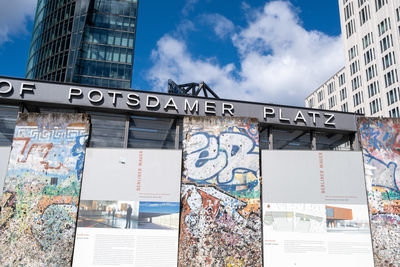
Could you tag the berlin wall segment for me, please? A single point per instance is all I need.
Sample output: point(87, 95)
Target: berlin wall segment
point(41, 189)
point(380, 139)
point(220, 221)
point(20, 91)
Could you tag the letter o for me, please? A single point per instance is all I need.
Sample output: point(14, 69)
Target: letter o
point(94, 92)
point(10, 87)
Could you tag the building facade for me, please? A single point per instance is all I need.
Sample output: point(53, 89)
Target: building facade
point(332, 94)
point(369, 82)
point(84, 41)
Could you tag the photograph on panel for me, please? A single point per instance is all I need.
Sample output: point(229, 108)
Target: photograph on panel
point(295, 217)
point(158, 215)
point(108, 214)
point(347, 218)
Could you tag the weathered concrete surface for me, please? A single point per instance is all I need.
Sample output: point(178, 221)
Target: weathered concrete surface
point(41, 190)
point(380, 140)
point(220, 196)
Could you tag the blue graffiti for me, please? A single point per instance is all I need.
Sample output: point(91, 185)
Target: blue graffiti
point(221, 158)
point(78, 150)
point(375, 138)
point(390, 167)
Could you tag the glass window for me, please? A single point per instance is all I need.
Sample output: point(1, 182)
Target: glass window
point(118, 40)
point(109, 53)
point(114, 84)
point(126, 84)
point(119, 21)
point(103, 38)
point(110, 39)
point(264, 139)
point(121, 71)
point(332, 141)
point(116, 56)
point(126, 22)
point(114, 71)
point(149, 132)
point(291, 139)
point(128, 71)
point(93, 53)
point(105, 83)
point(91, 68)
point(123, 58)
point(107, 130)
point(124, 41)
point(96, 37)
point(112, 20)
point(8, 118)
point(101, 52)
point(97, 82)
point(99, 69)
point(106, 70)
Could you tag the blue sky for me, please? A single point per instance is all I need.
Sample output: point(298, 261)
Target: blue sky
point(266, 51)
point(159, 207)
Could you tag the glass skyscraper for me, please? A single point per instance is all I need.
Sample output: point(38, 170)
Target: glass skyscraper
point(89, 42)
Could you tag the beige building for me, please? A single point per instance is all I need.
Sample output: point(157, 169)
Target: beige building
point(369, 82)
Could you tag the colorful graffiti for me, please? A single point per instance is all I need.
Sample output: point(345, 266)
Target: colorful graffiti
point(380, 139)
point(41, 190)
point(220, 195)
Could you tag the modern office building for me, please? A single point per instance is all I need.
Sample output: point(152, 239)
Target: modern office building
point(84, 41)
point(369, 82)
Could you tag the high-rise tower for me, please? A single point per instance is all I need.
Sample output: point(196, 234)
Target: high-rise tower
point(369, 82)
point(84, 41)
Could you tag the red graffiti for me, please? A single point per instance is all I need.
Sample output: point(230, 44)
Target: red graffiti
point(210, 204)
point(41, 149)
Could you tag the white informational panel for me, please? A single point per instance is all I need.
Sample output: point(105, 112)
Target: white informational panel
point(129, 208)
point(315, 209)
point(4, 156)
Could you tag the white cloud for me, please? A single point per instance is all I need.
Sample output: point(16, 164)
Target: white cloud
point(173, 61)
point(245, 6)
point(280, 61)
point(184, 27)
point(221, 25)
point(14, 16)
point(189, 6)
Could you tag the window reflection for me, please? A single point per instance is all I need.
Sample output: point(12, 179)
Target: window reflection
point(107, 44)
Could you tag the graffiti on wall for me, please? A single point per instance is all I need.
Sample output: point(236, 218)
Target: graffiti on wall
point(41, 190)
point(380, 140)
point(220, 194)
